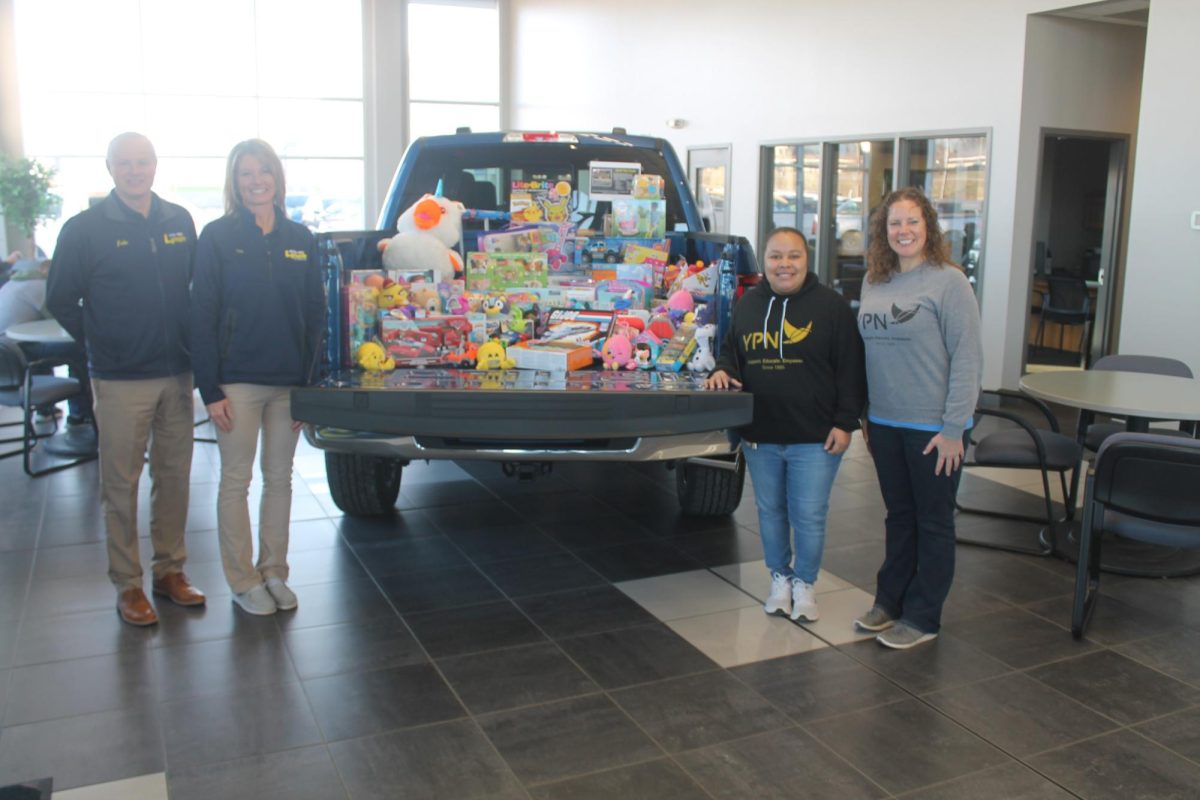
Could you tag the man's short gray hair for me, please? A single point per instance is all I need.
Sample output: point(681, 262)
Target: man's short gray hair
point(122, 138)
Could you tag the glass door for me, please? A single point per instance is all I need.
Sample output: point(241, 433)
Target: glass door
point(861, 177)
point(708, 172)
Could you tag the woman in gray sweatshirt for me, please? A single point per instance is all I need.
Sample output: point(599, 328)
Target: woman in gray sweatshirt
point(920, 326)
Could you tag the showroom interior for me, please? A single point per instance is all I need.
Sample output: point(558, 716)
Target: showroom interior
point(575, 635)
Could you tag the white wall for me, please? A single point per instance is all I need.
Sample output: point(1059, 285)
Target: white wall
point(776, 70)
point(1163, 262)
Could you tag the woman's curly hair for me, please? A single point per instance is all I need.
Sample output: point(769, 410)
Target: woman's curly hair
point(882, 261)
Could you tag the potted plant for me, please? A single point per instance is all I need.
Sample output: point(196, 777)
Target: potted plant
point(25, 196)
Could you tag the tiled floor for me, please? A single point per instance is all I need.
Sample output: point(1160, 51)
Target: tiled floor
point(574, 637)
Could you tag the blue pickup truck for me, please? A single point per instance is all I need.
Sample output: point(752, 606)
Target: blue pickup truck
point(371, 426)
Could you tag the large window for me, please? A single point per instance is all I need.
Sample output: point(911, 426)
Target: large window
point(452, 90)
point(828, 190)
point(196, 78)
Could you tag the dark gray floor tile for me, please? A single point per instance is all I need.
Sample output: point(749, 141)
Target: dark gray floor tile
point(949, 661)
point(81, 751)
point(463, 514)
point(308, 534)
point(403, 556)
point(324, 566)
point(541, 575)
point(651, 780)
point(635, 655)
point(818, 684)
point(330, 603)
point(647, 559)
point(604, 528)
point(857, 563)
point(215, 728)
point(77, 636)
point(504, 542)
point(995, 573)
point(449, 760)
point(352, 647)
point(567, 738)
point(411, 524)
point(584, 611)
point(49, 598)
point(9, 628)
point(780, 765)
point(306, 773)
point(1177, 654)
point(438, 588)
point(1176, 599)
point(517, 676)
point(720, 547)
point(365, 703)
point(123, 681)
point(930, 747)
point(699, 710)
point(1019, 714)
point(1113, 622)
point(15, 570)
point(966, 602)
point(1011, 781)
point(1179, 732)
point(1018, 638)
point(72, 561)
point(473, 629)
point(219, 618)
point(1117, 687)
point(222, 665)
point(1119, 766)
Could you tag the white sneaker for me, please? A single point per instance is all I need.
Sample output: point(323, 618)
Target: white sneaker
point(804, 601)
point(780, 599)
point(256, 601)
point(285, 598)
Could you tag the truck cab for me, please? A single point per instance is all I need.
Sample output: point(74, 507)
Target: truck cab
point(370, 425)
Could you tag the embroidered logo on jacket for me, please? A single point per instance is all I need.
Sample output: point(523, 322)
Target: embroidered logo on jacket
point(122, 243)
point(295, 255)
point(175, 238)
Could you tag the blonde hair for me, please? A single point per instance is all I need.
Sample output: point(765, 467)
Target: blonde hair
point(264, 153)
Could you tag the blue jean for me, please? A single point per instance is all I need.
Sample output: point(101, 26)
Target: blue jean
point(918, 567)
point(791, 489)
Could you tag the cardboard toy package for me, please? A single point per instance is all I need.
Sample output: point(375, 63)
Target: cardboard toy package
point(432, 340)
point(639, 218)
point(554, 355)
point(488, 272)
point(577, 325)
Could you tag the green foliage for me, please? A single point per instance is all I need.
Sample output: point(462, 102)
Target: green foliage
point(25, 195)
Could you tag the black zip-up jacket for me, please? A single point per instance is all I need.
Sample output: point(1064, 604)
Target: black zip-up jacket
point(119, 284)
point(802, 357)
point(258, 304)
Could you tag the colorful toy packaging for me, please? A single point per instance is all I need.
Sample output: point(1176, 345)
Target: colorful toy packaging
point(431, 340)
point(554, 355)
point(578, 325)
point(639, 218)
point(541, 198)
point(648, 187)
point(487, 272)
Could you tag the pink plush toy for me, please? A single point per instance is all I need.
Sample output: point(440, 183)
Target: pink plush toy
point(617, 353)
point(679, 305)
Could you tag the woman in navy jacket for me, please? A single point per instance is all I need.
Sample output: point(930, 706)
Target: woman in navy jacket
point(258, 310)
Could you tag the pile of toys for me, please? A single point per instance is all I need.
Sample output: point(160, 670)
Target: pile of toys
point(539, 294)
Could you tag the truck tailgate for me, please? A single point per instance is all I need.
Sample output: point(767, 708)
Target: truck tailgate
point(521, 405)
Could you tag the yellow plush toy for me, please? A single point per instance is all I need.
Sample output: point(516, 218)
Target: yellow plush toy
point(372, 357)
point(492, 355)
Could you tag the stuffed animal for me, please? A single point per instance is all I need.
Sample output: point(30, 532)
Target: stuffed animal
point(679, 305)
point(617, 353)
point(426, 298)
point(646, 348)
point(426, 232)
point(392, 295)
point(372, 357)
point(703, 360)
point(492, 355)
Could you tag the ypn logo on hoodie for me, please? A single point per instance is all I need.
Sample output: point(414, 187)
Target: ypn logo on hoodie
point(770, 340)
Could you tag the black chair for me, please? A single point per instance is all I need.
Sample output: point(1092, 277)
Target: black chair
point(20, 388)
point(1023, 446)
point(1094, 433)
point(1142, 487)
point(1066, 302)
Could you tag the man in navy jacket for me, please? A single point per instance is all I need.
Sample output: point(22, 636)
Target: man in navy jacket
point(119, 284)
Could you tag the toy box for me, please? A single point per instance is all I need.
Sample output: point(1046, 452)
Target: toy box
point(541, 198)
point(623, 295)
point(615, 250)
point(648, 187)
point(577, 325)
point(639, 218)
point(554, 355)
point(487, 272)
point(678, 350)
point(431, 340)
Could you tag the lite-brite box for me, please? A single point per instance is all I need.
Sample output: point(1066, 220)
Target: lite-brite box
point(555, 355)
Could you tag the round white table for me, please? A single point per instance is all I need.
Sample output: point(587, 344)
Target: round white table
point(47, 331)
point(1139, 398)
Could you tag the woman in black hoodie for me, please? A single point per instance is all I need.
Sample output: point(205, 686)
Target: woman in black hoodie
point(795, 344)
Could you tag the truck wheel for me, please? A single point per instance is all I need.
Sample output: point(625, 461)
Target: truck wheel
point(363, 486)
point(709, 491)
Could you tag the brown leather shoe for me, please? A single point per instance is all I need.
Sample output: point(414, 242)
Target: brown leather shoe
point(135, 609)
point(176, 586)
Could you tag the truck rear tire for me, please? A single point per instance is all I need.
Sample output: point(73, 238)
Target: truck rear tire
point(363, 486)
point(709, 491)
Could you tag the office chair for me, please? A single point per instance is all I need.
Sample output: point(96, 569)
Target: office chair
point(1142, 487)
point(1067, 303)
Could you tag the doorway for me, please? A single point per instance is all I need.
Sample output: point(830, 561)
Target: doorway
point(1075, 264)
point(708, 172)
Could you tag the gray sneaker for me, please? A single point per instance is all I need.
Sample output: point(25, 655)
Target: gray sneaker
point(285, 598)
point(903, 636)
point(874, 620)
point(256, 601)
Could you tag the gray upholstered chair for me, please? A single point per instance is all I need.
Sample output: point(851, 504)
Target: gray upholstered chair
point(20, 388)
point(1143, 487)
point(1020, 445)
point(1094, 433)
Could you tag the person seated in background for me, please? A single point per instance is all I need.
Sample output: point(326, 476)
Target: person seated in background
point(23, 299)
point(6, 266)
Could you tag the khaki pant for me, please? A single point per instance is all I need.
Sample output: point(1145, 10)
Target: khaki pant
point(130, 414)
point(267, 409)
